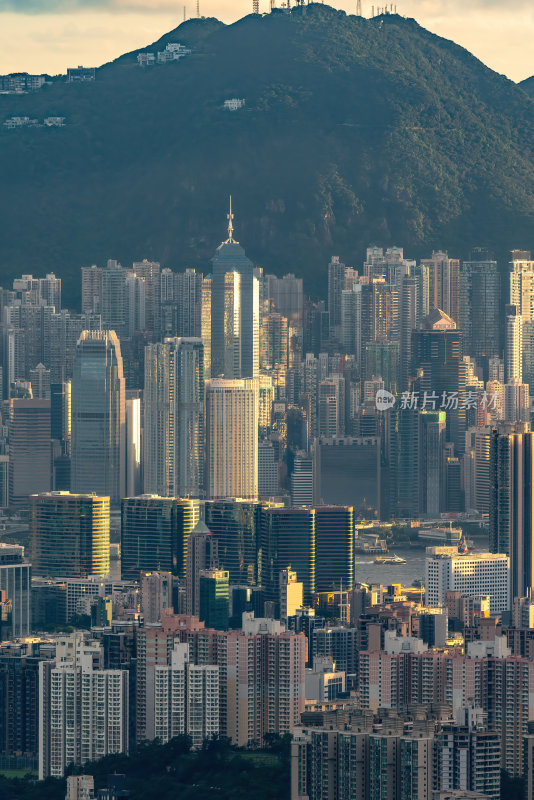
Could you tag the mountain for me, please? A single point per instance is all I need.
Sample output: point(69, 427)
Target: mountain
point(354, 131)
point(528, 85)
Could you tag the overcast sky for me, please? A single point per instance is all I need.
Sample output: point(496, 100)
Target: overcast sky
point(50, 35)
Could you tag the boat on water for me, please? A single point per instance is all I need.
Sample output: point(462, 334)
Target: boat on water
point(394, 559)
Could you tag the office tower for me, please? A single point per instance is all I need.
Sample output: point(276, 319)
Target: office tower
point(202, 554)
point(287, 537)
point(15, 582)
point(29, 449)
point(382, 360)
point(230, 257)
point(92, 290)
point(267, 470)
point(334, 548)
point(174, 418)
point(232, 326)
point(40, 381)
point(69, 534)
point(133, 444)
point(286, 295)
point(431, 462)
point(444, 284)
point(60, 413)
point(479, 306)
point(473, 574)
point(156, 594)
point(232, 439)
point(189, 431)
point(477, 496)
point(291, 594)
point(514, 344)
point(511, 505)
point(213, 588)
point(302, 480)
point(274, 341)
point(185, 699)
point(68, 736)
point(159, 420)
point(437, 351)
point(347, 472)
point(155, 534)
point(265, 665)
point(234, 525)
point(98, 416)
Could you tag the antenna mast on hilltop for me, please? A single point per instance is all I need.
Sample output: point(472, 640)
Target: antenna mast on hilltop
point(198, 9)
point(255, 6)
point(358, 8)
point(184, 12)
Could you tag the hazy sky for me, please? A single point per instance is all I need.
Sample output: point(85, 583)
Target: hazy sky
point(50, 35)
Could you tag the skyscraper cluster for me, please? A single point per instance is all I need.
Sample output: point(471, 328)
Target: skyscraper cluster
point(191, 465)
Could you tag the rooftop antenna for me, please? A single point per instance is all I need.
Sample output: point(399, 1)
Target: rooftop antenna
point(230, 218)
point(255, 6)
point(358, 8)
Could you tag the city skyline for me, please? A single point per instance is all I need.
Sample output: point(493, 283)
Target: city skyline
point(53, 35)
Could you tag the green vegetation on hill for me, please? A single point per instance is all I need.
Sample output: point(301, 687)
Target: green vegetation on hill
point(171, 771)
point(528, 85)
point(354, 131)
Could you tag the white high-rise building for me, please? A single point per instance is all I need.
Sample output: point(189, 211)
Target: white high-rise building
point(232, 325)
point(473, 574)
point(514, 345)
point(182, 698)
point(83, 709)
point(232, 409)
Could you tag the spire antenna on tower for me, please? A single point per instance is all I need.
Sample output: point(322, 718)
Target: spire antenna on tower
point(230, 218)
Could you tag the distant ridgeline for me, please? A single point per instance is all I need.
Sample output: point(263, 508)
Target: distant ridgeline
point(346, 131)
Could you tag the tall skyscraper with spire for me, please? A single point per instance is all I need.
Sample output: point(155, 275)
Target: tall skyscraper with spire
point(230, 257)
